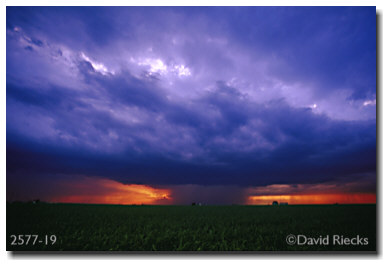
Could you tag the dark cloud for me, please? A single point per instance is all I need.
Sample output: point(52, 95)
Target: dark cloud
point(246, 144)
point(173, 101)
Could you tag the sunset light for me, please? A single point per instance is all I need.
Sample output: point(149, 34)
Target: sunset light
point(105, 191)
point(314, 199)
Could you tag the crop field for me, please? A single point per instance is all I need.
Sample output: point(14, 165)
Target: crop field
point(79, 227)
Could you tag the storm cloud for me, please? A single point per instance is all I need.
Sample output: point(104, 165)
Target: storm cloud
point(192, 97)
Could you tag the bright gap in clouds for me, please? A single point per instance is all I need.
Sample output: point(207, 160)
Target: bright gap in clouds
point(369, 102)
point(157, 65)
point(99, 67)
point(182, 70)
point(106, 191)
point(317, 199)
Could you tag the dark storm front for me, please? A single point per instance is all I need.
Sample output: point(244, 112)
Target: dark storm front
point(193, 228)
point(218, 105)
point(147, 110)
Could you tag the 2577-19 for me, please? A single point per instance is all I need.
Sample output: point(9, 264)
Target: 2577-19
point(32, 239)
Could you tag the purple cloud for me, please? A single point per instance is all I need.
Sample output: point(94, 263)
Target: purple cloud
point(197, 96)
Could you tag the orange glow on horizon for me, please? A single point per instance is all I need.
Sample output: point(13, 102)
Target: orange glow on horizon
point(105, 191)
point(314, 199)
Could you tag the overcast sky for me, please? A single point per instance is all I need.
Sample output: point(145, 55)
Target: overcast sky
point(201, 100)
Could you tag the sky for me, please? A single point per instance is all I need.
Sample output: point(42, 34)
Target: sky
point(174, 105)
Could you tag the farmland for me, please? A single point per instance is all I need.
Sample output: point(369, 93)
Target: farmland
point(80, 227)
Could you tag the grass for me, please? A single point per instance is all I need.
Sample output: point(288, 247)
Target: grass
point(80, 227)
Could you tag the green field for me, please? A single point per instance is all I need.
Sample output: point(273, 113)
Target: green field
point(187, 228)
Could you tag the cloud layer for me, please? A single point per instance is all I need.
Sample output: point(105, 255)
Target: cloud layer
point(192, 96)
